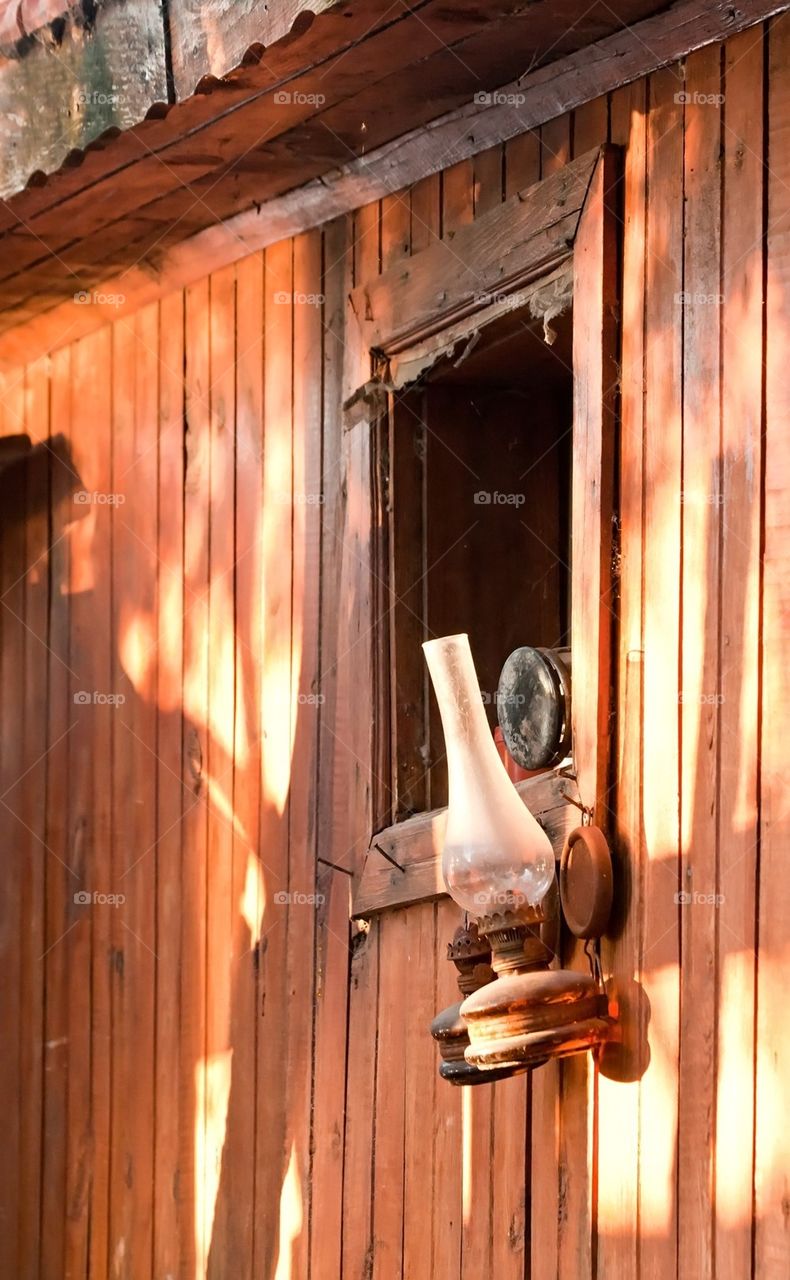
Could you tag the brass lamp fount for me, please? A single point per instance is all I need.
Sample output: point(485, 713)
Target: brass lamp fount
point(471, 955)
point(498, 864)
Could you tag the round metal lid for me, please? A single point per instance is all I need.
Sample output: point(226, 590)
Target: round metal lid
point(586, 882)
point(534, 706)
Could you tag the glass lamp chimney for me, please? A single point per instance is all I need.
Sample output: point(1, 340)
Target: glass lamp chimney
point(496, 857)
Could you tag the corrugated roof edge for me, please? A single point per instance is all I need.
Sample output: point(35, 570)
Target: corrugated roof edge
point(158, 111)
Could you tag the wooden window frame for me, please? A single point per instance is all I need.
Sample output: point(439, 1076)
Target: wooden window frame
point(563, 229)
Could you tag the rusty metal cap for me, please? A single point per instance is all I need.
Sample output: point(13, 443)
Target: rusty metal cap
point(586, 882)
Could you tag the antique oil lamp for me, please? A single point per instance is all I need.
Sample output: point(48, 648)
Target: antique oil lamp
point(471, 955)
point(498, 865)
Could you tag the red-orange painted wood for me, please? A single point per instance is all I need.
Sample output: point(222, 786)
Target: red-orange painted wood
point(194, 757)
point(185, 1097)
point(217, 1073)
point(13, 645)
point(738, 814)
point(167, 1189)
point(33, 809)
point(134, 482)
point(277, 1190)
point(60, 878)
point(700, 681)
point(247, 905)
point(622, 1063)
point(306, 534)
point(773, 928)
point(555, 144)
point(661, 809)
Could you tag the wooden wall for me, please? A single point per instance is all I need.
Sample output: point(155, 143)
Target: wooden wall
point(210, 1080)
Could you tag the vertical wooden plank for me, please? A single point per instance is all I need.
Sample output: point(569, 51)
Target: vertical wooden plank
point(595, 379)
point(622, 1062)
point(168, 1184)
point(247, 890)
point(522, 162)
point(332, 929)
point(394, 1030)
point(741, 465)
point(306, 525)
point(194, 754)
point(663, 484)
point(278, 1212)
point(477, 1110)
point(33, 812)
point(220, 1243)
point(61, 882)
point(136, 414)
point(388, 1171)
point(81, 844)
point(404, 596)
point(426, 212)
point(13, 645)
point(488, 179)
point(352, 782)
point(772, 1143)
point(595, 360)
point(700, 685)
point(555, 144)
point(458, 201)
point(89, 747)
point(590, 125)
point(92, 388)
point(514, 1191)
point(448, 1206)
point(509, 1188)
point(461, 1125)
point(395, 228)
point(419, 1059)
point(421, 1083)
point(400, 569)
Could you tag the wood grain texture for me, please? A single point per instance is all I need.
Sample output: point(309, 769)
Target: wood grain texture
point(273, 1102)
point(512, 244)
point(622, 1062)
point(773, 1046)
point(738, 813)
point(700, 681)
point(661, 804)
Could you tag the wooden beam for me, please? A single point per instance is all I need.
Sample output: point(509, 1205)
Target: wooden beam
point(516, 242)
point(403, 864)
point(539, 96)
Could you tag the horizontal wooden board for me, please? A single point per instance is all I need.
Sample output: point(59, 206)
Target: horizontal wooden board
point(403, 864)
point(526, 236)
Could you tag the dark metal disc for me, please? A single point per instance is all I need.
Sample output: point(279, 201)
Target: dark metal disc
point(534, 706)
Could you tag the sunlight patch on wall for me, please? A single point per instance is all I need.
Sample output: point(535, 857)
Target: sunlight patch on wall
point(291, 1217)
point(467, 1169)
point(659, 1103)
point(736, 1066)
point(212, 1093)
point(279, 724)
point(252, 905)
point(137, 649)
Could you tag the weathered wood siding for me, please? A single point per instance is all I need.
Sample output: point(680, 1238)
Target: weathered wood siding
point(211, 1079)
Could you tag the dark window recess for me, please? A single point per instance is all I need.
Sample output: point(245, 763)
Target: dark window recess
point(474, 485)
